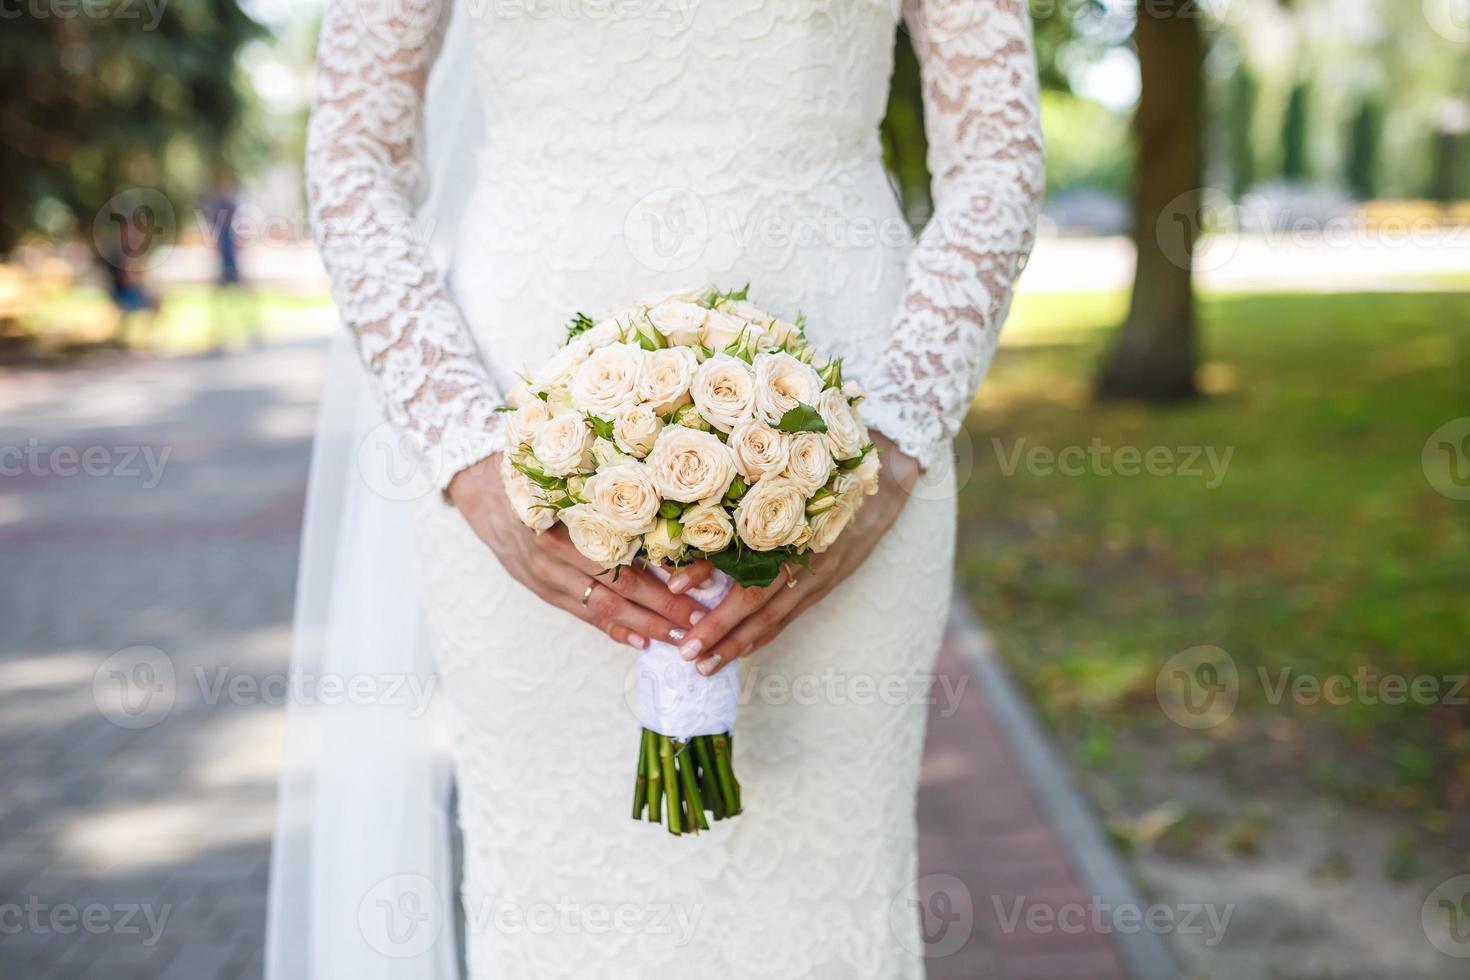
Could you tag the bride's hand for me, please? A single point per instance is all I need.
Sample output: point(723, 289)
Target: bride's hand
point(631, 609)
point(749, 618)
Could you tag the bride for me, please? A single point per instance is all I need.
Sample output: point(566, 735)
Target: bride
point(616, 150)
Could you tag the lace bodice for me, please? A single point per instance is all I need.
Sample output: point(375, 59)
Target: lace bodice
point(721, 96)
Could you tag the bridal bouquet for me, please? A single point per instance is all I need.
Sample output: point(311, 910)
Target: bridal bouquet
point(690, 425)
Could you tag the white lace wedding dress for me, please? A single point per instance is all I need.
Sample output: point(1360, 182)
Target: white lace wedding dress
point(631, 148)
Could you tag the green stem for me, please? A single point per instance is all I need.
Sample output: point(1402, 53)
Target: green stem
point(640, 781)
point(671, 784)
point(687, 765)
point(709, 785)
point(725, 772)
point(655, 776)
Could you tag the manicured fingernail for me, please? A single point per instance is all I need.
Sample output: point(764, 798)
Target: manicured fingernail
point(678, 583)
point(710, 665)
point(636, 642)
point(677, 634)
point(691, 649)
point(695, 617)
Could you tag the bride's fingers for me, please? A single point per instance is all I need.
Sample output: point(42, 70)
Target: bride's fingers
point(624, 621)
point(644, 589)
point(634, 584)
point(734, 609)
point(760, 627)
point(691, 576)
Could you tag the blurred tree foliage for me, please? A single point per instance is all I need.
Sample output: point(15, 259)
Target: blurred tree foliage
point(1294, 133)
point(116, 94)
point(1362, 163)
point(1239, 110)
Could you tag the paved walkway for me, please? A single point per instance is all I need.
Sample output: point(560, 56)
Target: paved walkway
point(150, 508)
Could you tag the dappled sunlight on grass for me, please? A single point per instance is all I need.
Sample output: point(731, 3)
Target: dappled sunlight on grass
point(1287, 520)
point(191, 319)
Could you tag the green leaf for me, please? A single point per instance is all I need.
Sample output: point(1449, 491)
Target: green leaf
point(670, 509)
point(541, 479)
point(854, 462)
point(602, 427)
point(506, 408)
point(579, 324)
point(802, 418)
point(749, 568)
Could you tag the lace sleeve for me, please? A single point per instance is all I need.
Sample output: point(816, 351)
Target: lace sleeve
point(365, 180)
point(982, 117)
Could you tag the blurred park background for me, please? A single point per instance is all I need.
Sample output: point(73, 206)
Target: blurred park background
point(1215, 492)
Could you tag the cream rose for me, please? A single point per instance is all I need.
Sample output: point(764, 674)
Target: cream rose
point(605, 452)
point(721, 330)
point(625, 496)
point(666, 376)
point(845, 434)
point(526, 498)
point(724, 391)
point(759, 450)
point(597, 538)
point(866, 473)
point(663, 543)
point(558, 370)
point(707, 528)
point(636, 430)
point(831, 522)
point(688, 465)
point(520, 395)
point(772, 514)
point(810, 464)
point(781, 382)
point(678, 321)
point(784, 332)
point(607, 331)
point(526, 423)
point(563, 445)
point(691, 294)
point(607, 382)
point(745, 311)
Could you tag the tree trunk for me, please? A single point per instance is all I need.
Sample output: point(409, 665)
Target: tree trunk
point(1152, 355)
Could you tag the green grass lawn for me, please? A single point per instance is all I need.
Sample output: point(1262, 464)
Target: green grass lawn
point(1321, 548)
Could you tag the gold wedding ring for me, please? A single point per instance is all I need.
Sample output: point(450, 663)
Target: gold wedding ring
point(587, 593)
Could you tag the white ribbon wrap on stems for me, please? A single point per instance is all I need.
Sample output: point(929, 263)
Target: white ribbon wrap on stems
point(674, 698)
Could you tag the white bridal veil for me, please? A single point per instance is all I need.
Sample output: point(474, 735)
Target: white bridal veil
point(362, 884)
